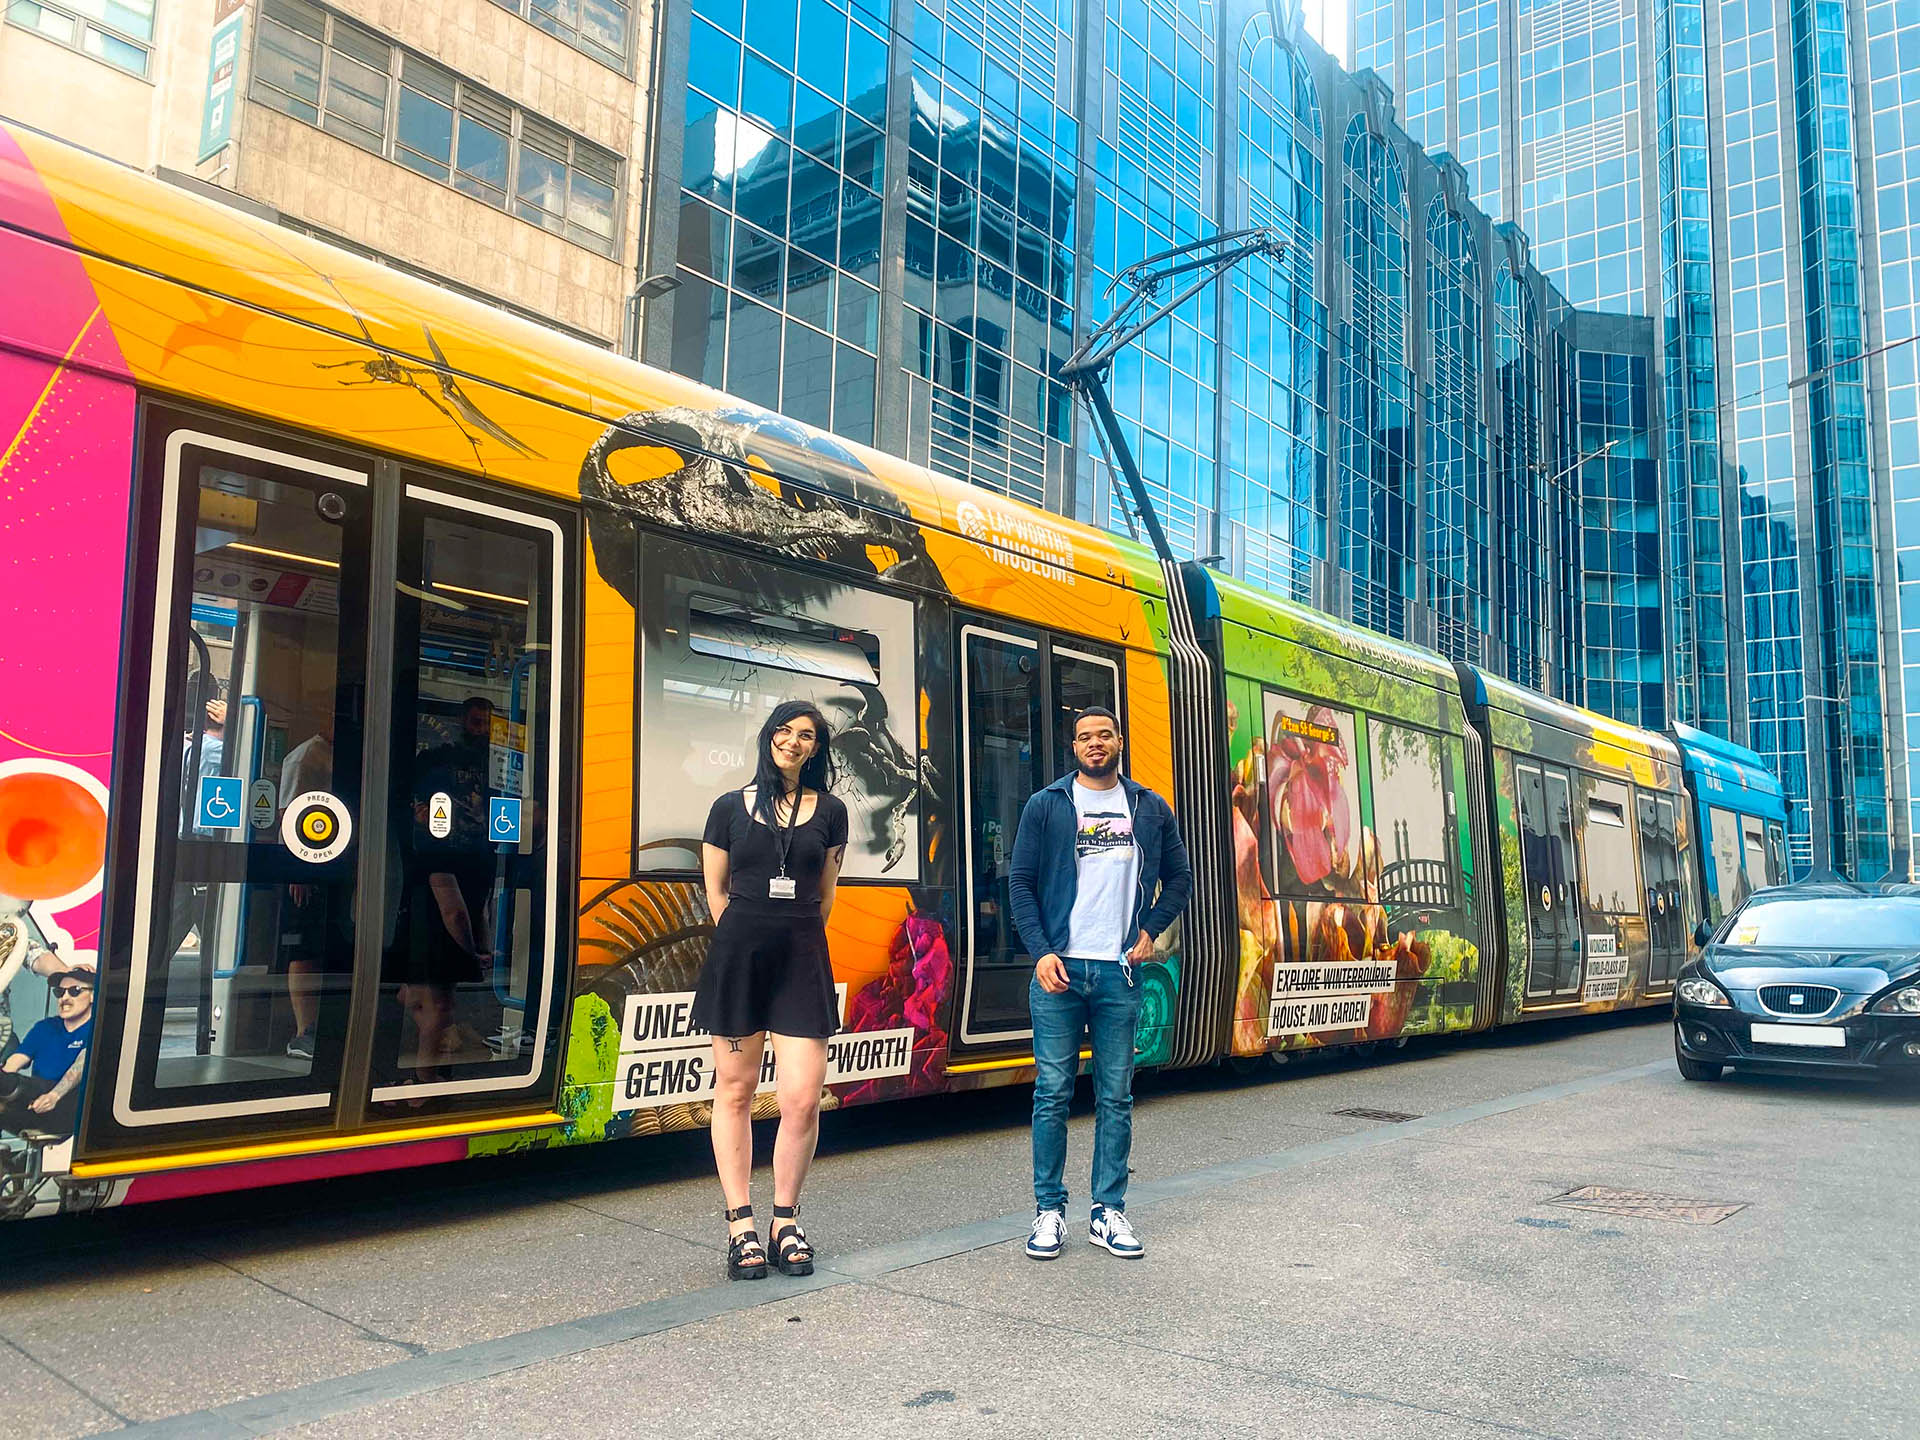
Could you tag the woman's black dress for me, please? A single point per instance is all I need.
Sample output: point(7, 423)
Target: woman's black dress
point(767, 967)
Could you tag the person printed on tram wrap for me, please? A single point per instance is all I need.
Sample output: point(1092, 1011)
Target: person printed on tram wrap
point(40, 1080)
point(771, 856)
point(1099, 870)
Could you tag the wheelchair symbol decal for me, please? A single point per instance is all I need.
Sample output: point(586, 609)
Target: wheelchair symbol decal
point(503, 820)
point(219, 807)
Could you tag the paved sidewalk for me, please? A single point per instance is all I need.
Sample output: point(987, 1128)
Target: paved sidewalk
point(1307, 1272)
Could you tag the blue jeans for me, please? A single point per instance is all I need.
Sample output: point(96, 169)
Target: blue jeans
point(1103, 1001)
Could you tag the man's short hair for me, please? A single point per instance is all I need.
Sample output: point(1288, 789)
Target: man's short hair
point(1096, 712)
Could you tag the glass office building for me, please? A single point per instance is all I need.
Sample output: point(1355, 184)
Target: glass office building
point(1719, 168)
point(895, 218)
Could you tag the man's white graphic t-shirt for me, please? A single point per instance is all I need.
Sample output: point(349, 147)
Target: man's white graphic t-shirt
point(1108, 865)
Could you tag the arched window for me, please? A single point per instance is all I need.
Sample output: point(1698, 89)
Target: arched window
point(1274, 504)
point(1455, 496)
point(1376, 444)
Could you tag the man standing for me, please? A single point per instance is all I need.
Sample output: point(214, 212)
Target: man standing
point(1099, 870)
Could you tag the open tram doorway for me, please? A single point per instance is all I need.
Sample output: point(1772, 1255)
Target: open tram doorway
point(337, 857)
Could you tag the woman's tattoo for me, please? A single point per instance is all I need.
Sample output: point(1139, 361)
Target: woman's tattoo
point(732, 1044)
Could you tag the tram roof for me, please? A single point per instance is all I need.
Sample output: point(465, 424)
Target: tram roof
point(1499, 694)
point(1256, 609)
point(127, 218)
point(1731, 773)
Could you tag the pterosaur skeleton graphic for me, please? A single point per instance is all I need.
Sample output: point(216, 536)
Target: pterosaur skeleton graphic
point(382, 368)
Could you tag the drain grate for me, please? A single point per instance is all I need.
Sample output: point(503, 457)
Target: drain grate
point(1392, 1117)
point(1642, 1205)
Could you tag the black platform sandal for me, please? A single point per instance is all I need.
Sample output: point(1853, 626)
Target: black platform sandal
point(746, 1257)
point(790, 1249)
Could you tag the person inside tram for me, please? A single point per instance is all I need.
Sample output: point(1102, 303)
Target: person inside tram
point(443, 942)
point(188, 912)
point(40, 1080)
point(315, 942)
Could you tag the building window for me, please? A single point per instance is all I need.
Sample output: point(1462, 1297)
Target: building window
point(597, 28)
point(780, 207)
point(120, 32)
point(352, 83)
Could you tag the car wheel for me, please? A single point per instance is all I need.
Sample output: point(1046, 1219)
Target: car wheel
point(1695, 1069)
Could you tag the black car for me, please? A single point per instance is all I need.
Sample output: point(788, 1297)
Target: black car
point(1816, 976)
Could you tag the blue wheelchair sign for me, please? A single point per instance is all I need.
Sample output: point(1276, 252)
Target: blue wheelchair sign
point(503, 820)
point(220, 804)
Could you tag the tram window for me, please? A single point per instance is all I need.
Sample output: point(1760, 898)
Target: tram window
point(1313, 800)
point(722, 641)
point(246, 970)
point(1079, 681)
point(782, 643)
point(465, 968)
point(1755, 835)
point(1660, 880)
point(1006, 760)
point(1776, 853)
point(1613, 886)
point(1730, 888)
point(1412, 824)
point(1546, 850)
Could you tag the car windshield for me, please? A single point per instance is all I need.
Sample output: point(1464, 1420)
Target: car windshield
point(1880, 922)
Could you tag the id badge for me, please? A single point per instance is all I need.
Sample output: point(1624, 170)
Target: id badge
point(781, 887)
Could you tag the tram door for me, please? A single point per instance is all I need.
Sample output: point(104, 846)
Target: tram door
point(1660, 879)
point(1553, 901)
point(336, 909)
point(1020, 692)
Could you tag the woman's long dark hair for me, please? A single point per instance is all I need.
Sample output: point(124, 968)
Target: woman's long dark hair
point(816, 772)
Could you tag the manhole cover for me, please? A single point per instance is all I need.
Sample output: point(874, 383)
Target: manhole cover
point(1361, 1112)
point(1645, 1206)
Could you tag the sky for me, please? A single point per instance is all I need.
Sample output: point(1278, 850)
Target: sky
point(1326, 21)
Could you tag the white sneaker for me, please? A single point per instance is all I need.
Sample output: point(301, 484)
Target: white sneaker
point(1113, 1233)
point(1049, 1233)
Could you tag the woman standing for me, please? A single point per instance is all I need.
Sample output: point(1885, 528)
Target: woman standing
point(772, 857)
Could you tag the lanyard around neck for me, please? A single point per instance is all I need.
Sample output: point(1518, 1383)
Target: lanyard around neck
point(783, 841)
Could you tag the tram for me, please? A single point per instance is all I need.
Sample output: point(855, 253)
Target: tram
point(348, 615)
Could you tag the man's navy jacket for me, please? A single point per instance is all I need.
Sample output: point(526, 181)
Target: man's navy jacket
point(1045, 878)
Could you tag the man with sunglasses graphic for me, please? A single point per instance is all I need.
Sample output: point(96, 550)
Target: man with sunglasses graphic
point(40, 1080)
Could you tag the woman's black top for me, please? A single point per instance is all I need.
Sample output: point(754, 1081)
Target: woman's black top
point(753, 848)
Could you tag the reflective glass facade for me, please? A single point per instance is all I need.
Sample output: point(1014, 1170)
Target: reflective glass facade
point(1455, 493)
point(905, 249)
point(991, 192)
point(1729, 202)
point(1892, 63)
point(1274, 507)
point(782, 111)
point(1620, 512)
point(1845, 589)
point(1155, 186)
point(1377, 460)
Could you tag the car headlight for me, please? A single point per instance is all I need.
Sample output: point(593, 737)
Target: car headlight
point(1704, 992)
point(1899, 1002)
